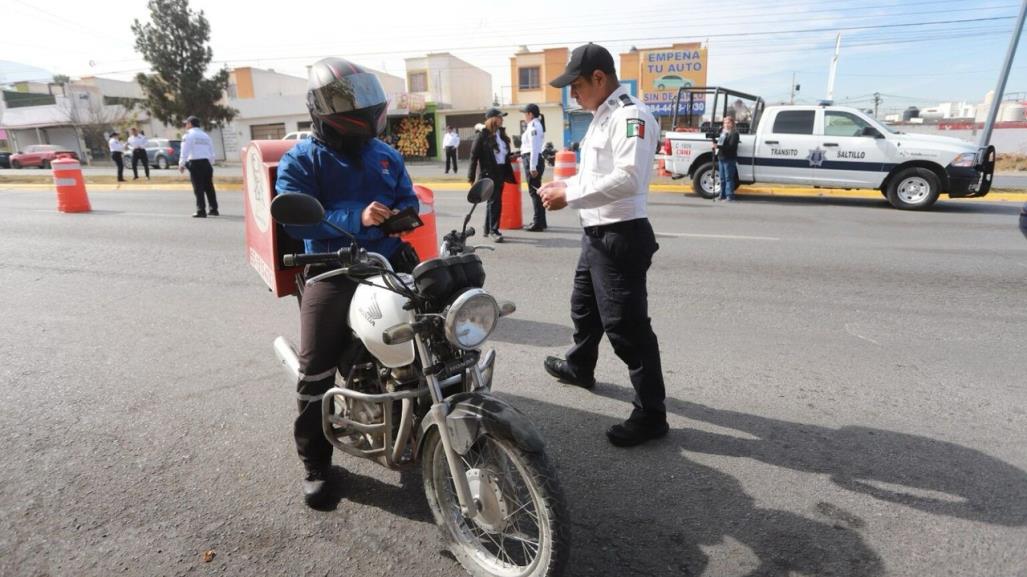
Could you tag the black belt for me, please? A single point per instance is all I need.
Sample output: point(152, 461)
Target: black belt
point(621, 227)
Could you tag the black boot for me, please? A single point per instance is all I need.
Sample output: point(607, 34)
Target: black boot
point(565, 374)
point(316, 486)
point(635, 432)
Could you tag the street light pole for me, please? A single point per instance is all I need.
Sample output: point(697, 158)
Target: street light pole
point(1000, 90)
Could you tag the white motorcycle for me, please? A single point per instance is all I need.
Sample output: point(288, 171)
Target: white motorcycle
point(417, 390)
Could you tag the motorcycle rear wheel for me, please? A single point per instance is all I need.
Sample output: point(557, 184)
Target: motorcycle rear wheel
point(522, 528)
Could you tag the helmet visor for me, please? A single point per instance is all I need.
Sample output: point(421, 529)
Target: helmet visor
point(346, 94)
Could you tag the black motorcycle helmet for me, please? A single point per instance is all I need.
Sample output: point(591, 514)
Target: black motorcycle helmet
point(344, 100)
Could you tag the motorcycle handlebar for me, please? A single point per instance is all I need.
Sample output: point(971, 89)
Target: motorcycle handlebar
point(314, 258)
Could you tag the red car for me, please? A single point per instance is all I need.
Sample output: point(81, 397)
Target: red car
point(40, 155)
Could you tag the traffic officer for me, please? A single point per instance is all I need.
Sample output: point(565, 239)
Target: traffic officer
point(609, 191)
point(137, 142)
point(534, 164)
point(117, 148)
point(361, 181)
point(198, 156)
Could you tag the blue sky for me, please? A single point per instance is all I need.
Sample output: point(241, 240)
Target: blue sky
point(754, 46)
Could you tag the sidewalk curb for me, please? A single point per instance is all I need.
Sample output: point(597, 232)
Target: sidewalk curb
point(786, 191)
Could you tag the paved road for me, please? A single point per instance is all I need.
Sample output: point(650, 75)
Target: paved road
point(846, 383)
point(419, 171)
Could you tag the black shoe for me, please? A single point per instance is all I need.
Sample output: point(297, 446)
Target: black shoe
point(496, 237)
point(559, 369)
point(534, 228)
point(199, 214)
point(631, 433)
point(213, 212)
point(316, 486)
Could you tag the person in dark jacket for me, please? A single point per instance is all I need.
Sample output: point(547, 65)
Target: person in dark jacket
point(726, 150)
point(361, 182)
point(491, 151)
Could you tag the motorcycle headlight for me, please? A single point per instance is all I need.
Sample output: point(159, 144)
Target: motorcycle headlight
point(965, 160)
point(471, 319)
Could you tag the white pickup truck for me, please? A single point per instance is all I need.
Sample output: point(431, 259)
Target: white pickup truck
point(824, 146)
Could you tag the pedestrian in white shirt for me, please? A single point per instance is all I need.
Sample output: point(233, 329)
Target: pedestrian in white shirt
point(610, 295)
point(137, 142)
point(450, 143)
point(534, 164)
point(117, 154)
point(198, 156)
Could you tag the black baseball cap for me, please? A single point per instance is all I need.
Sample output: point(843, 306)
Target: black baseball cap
point(532, 108)
point(192, 121)
point(492, 112)
point(584, 61)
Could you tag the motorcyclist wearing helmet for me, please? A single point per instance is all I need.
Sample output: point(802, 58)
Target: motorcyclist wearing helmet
point(361, 181)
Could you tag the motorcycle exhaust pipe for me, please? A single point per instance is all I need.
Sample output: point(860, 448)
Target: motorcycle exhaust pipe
point(286, 354)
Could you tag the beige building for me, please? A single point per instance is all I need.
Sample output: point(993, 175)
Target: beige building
point(445, 81)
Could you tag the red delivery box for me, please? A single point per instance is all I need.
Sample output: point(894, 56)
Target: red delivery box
point(266, 242)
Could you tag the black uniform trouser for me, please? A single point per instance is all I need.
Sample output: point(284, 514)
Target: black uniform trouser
point(139, 155)
point(201, 174)
point(119, 161)
point(538, 218)
point(324, 336)
point(610, 297)
point(494, 208)
point(450, 156)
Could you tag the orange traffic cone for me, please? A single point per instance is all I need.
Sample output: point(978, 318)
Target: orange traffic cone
point(71, 188)
point(425, 239)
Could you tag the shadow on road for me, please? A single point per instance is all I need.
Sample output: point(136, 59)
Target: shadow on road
point(652, 511)
point(407, 500)
point(539, 334)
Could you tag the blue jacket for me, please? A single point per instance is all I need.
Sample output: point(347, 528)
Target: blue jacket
point(344, 190)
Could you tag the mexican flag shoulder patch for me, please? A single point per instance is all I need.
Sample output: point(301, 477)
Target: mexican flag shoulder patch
point(636, 127)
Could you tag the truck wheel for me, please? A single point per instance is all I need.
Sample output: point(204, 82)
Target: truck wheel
point(162, 163)
point(914, 189)
point(706, 181)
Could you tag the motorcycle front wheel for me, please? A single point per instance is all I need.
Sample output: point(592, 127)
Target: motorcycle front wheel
point(521, 528)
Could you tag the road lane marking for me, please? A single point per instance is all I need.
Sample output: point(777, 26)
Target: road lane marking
point(715, 236)
point(851, 331)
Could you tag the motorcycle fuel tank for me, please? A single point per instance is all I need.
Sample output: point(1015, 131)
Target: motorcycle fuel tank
point(374, 309)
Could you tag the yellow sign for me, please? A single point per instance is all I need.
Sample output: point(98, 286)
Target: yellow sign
point(664, 71)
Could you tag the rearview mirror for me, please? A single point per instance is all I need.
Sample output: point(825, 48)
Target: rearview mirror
point(297, 209)
point(481, 191)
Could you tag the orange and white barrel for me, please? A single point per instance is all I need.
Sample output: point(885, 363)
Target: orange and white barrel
point(510, 217)
point(425, 239)
point(565, 165)
point(71, 187)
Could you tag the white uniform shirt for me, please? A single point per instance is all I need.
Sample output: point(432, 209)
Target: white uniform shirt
point(617, 156)
point(116, 145)
point(503, 152)
point(532, 141)
point(137, 141)
point(451, 140)
point(196, 145)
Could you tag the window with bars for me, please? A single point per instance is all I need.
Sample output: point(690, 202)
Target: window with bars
point(267, 131)
point(528, 78)
point(418, 81)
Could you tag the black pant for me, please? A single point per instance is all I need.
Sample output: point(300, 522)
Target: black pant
point(494, 208)
point(610, 297)
point(139, 155)
point(201, 174)
point(324, 336)
point(538, 218)
point(450, 155)
point(119, 161)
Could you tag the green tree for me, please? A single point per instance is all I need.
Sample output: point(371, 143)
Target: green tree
point(175, 45)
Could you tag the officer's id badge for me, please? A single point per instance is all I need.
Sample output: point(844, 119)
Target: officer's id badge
point(636, 127)
point(385, 166)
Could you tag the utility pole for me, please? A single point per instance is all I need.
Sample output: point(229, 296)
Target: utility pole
point(1000, 90)
point(877, 102)
point(791, 100)
point(834, 66)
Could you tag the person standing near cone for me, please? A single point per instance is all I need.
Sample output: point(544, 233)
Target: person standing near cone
point(534, 163)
